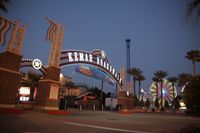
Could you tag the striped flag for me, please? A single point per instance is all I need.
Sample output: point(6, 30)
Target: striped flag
point(50, 31)
point(4, 27)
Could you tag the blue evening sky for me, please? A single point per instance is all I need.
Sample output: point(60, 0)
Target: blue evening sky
point(160, 35)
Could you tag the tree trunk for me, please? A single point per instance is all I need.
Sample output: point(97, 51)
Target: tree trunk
point(173, 103)
point(139, 90)
point(161, 95)
point(101, 102)
point(134, 86)
point(194, 68)
point(173, 91)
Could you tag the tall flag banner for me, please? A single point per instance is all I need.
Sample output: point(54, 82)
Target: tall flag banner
point(50, 31)
point(4, 27)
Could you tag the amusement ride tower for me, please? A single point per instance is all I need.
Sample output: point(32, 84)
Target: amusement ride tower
point(128, 65)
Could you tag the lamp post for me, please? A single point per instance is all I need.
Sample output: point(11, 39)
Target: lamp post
point(142, 93)
point(101, 102)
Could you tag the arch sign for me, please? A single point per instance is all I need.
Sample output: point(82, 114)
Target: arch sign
point(96, 58)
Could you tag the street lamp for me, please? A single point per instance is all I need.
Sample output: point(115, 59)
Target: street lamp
point(61, 76)
point(61, 79)
point(142, 93)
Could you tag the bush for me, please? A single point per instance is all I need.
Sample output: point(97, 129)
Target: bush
point(176, 103)
point(142, 103)
point(147, 103)
point(166, 104)
point(135, 101)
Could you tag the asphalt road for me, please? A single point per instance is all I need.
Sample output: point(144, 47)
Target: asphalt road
point(95, 122)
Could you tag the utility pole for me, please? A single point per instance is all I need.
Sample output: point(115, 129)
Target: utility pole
point(101, 102)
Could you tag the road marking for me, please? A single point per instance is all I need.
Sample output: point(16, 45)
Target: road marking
point(105, 128)
point(31, 132)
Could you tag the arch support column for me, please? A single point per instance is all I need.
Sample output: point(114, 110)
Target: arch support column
point(9, 78)
point(48, 91)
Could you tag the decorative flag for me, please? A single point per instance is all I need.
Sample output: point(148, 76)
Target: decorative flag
point(4, 26)
point(85, 99)
point(50, 31)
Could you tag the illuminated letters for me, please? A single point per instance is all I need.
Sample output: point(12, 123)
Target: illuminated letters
point(107, 67)
point(101, 61)
point(70, 57)
point(113, 71)
point(104, 64)
point(110, 68)
point(90, 58)
point(81, 57)
point(86, 57)
point(98, 61)
point(75, 56)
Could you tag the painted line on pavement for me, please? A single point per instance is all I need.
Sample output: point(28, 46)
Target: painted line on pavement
point(31, 132)
point(105, 128)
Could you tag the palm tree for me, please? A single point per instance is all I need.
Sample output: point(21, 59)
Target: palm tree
point(156, 80)
point(134, 72)
point(183, 78)
point(193, 7)
point(160, 75)
point(33, 78)
point(3, 5)
point(139, 79)
point(173, 80)
point(194, 56)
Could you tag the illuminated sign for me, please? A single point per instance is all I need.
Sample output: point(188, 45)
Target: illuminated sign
point(96, 57)
point(24, 90)
point(24, 93)
point(22, 98)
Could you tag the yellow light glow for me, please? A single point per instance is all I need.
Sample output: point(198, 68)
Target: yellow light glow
point(61, 76)
point(182, 104)
point(182, 108)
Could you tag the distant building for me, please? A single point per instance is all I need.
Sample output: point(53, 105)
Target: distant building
point(65, 91)
point(72, 91)
point(63, 79)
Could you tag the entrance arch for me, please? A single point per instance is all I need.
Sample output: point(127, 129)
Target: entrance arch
point(95, 58)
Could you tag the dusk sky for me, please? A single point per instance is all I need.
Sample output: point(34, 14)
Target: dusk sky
point(160, 35)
